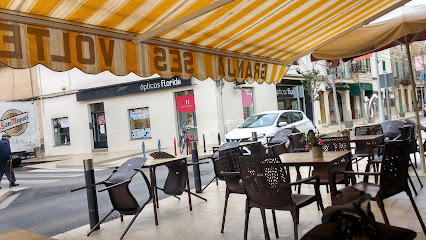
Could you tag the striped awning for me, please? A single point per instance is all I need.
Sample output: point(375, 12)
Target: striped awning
point(252, 40)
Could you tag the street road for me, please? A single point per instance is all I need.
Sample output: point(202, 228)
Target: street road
point(43, 202)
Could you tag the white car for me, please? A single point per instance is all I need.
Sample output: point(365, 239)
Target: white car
point(266, 124)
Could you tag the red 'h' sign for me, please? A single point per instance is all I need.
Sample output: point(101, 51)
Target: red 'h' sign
point(185, 103)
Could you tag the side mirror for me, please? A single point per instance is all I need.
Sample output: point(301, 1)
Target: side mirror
point(282, 124)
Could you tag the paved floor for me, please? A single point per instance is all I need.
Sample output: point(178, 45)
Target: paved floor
point(204, 222)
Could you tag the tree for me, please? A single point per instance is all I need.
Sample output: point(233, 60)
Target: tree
point(311, 83)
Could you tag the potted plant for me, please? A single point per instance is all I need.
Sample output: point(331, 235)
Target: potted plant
point(344, 133)
point(314, 143)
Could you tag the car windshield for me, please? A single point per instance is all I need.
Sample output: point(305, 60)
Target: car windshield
point(260, 120)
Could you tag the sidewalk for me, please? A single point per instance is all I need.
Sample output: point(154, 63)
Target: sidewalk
point(360, 122)
point(204, 221)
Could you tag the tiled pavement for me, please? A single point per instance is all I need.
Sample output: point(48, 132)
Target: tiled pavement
point(204, 222)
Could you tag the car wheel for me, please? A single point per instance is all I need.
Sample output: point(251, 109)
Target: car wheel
point(310, 132)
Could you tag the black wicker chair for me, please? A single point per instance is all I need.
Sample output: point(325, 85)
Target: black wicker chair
point(176, 178)
point(393, 177)
point(267, 186)
point(228, 157)
point(122, 199)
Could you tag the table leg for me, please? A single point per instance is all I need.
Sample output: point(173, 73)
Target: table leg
point(155, 183)
point(187, 186)
point(154, 196)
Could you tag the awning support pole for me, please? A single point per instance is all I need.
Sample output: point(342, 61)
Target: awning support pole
point(379, 90)
point(416, 109)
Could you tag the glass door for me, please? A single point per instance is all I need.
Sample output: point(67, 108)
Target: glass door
point(98, 125)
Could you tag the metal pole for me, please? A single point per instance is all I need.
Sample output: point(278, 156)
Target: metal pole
point(387, 98)
point(416, 110)
point(254, 136)
point(196, 167)
point(204, 143)
point(218, 138)
point(92, 201)
point(379, 94)
point(421, 94)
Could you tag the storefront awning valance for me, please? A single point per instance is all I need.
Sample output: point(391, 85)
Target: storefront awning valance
point(252, 40)
point(355, 89)
point(339, 89)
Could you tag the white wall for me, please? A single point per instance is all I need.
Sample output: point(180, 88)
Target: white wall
point(78, 117)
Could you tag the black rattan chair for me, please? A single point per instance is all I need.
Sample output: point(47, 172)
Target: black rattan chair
point(176, 177)
point(228, 157)
point(267, 186)
point(392, 130)
point(279, 137)
point(122, 199)
point(393, 177)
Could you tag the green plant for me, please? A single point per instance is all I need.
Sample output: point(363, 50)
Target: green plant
point(345, 132)
point(312, 140)
point(311, 83)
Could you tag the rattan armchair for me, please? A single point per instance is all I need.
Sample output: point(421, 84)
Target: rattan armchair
point(267, 186)
point(393, 177)
point(122, 199)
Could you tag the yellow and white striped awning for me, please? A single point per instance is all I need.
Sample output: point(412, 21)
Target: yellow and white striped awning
point(252, 40)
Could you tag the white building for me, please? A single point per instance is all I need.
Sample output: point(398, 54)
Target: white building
point(104, 111)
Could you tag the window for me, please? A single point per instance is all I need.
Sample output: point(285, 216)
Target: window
point(296, 116)
point(140, 123)
point(362, 66)
point(384, 65)
point(61, 131)
point(397, 69)
point(403, 71)
point(284, 118)
point(247, 97)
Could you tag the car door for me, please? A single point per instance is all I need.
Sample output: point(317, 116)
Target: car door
point(300, 122)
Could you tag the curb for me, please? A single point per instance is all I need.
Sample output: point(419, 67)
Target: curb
point(4, 194)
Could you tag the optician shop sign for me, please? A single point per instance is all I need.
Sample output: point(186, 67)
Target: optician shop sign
point(289, 92)
point(142, 86)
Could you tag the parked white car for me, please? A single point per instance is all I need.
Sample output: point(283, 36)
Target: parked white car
point(266, 124)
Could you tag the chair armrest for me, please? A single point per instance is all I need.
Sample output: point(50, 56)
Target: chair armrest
point(91, 185)
point(355, 173)
point(197, 163)
point(304, 180)
point(230, 173)
point(115, 185)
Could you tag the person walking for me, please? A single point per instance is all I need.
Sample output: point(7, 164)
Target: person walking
point(6, 160)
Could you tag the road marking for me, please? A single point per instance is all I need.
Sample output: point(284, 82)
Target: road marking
point(61, 170)
point(8, 201)
point(19, 176)
point(30, 182)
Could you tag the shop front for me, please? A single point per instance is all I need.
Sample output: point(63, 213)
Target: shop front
point(290, 98)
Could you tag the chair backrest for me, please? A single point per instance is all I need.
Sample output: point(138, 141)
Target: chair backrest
point(394, 168)
point(277, 149)
point(228, 158)
point(368, 130)
point(265, 181)
point(280, 136)
point(392, 129)
point(256, 149)
point(159, 155)
point(296, 143)
point(121, 198)
point(364, 147)
point(336, 144)
point(176, 178)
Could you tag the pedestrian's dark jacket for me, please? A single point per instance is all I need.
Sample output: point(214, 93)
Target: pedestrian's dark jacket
point(5, 153)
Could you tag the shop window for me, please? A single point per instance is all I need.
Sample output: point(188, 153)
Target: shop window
point(61, 131)
point(140, 123)
point(248, 106)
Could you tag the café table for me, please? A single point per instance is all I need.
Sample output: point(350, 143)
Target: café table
point(152, 164)
point(306, 159)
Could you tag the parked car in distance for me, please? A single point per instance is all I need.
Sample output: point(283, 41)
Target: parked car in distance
point(266, 124)
point(424, 111)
